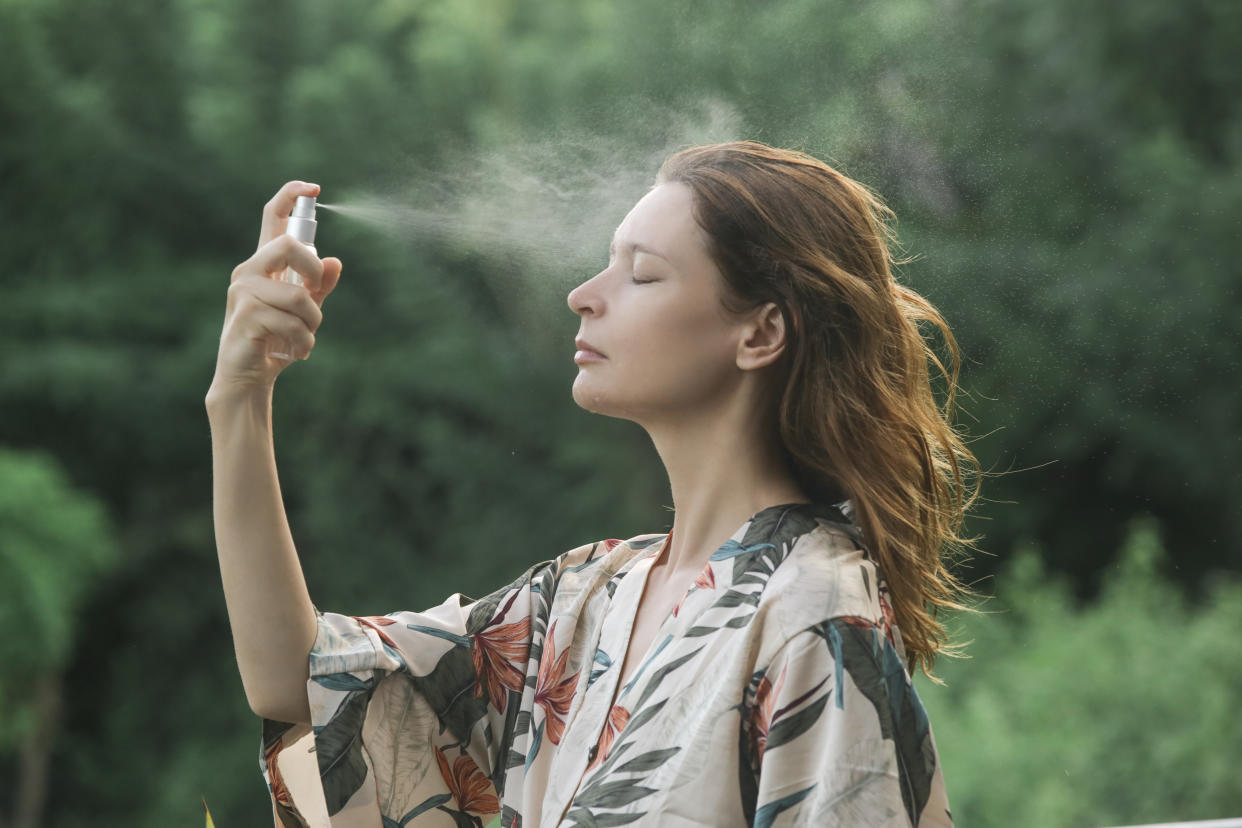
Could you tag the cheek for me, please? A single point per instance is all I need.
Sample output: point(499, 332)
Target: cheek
point(683, 355)
point(679, 357)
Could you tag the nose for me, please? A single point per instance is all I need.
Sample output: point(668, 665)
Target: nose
point(582, 299)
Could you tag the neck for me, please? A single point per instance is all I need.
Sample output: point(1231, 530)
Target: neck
point(722, 470)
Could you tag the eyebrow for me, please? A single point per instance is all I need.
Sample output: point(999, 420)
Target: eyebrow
point(641, 248)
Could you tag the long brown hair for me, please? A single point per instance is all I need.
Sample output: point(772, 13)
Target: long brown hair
point(857, 416)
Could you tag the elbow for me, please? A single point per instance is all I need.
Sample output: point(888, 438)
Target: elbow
point(294, 710)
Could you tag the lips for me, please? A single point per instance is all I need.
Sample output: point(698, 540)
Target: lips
point(583, 345)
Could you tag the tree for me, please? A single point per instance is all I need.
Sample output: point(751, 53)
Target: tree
point(55, 543)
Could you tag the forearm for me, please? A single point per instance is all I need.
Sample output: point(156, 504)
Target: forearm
point(269, 607)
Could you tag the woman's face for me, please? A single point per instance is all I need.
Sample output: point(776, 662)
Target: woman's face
point(654, 314)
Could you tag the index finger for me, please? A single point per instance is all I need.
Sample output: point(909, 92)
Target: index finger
point(276, 212)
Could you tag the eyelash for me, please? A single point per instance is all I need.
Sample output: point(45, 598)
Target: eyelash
point(635, 281)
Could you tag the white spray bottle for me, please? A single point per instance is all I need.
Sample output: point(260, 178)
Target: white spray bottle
point(302, 227)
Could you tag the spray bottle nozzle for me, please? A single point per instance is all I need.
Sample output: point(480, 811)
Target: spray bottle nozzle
point(302, 221)
point(304, 207)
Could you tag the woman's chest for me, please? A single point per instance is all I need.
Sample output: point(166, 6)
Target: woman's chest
point(655, 608)
point(659, 714)
point(651, 639)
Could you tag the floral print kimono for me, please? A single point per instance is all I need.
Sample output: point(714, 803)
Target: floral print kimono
point(774, 694)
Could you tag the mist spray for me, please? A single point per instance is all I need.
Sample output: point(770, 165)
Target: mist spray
point(302, 227)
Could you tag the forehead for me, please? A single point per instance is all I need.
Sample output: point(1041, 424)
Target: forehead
point(663, 220)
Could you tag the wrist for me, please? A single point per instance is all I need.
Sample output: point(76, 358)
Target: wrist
point(225, 396)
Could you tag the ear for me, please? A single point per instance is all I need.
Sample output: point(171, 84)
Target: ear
point(763, 338)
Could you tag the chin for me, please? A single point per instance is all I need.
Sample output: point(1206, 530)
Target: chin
point(587, 397)
point(598, 398)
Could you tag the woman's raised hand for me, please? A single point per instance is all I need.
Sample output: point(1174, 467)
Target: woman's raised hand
point(262, 309)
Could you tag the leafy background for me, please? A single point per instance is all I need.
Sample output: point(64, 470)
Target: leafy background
point(1067, 173)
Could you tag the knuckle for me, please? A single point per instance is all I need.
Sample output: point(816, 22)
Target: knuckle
point(244, 284)
point(244, 304)
point(308, 306)
point(269, 248)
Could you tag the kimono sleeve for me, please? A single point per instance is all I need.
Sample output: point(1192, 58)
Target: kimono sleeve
point(835, 734)
point(412, 713)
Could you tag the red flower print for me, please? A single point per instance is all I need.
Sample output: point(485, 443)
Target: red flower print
point(552, 692)
point(618, 718)
point(473, 791)
point(611, 544)
point(375, 622)
point(706, 580)
point(889, 621)
point(500, 654)
point(280, 793)
point(763, 712)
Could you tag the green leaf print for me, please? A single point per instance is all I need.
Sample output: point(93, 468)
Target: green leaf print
point(658, 676)
point(765, 815)
point(338, 748)
point(619, 747)
point(604, 661)
point(606, 792)
point(733, 623)
point(733, 598)
point(779, 526)
point(642, 717)
point(522, 724)
point(613, 794)
point(747, 764)
point(648, 761)
point(860, 650)
point(427, 804)
point(483, 611)
point(584, 818)
point(449, 689)
point(343, 681)
point(791, 727)
point(771, 533)
point(508, 737)
point(732, 549)
point(536, 741)
point(459, 640)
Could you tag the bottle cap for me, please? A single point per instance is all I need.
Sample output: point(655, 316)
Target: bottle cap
point(302, 221)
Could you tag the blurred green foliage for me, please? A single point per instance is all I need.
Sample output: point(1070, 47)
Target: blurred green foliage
point(55, 543)
point(1069, 174)
point(1117, 713)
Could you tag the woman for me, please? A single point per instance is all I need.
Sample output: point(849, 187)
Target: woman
point(751, 666)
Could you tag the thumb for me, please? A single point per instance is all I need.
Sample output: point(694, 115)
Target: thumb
point(331, 275)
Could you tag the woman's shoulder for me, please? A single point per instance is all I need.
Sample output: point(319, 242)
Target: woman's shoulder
point(606, 554)
point(828, 574)
point(599, 564)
